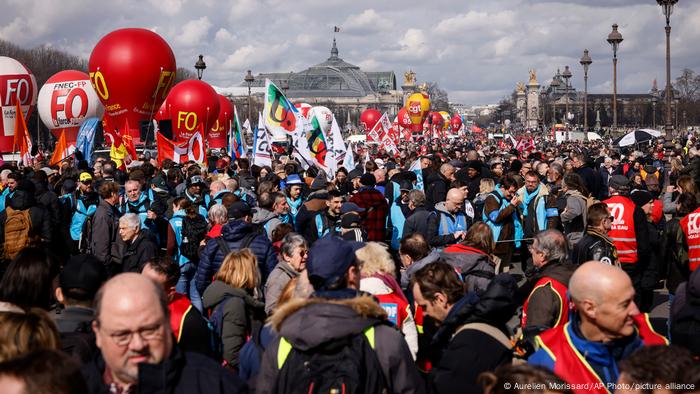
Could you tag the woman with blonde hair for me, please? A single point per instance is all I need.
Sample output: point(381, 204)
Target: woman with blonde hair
point(378, 272)
point(486, 187)
point(234, 311)
point(26, 332)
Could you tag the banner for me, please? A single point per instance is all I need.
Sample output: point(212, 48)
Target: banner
point(318, 149)
point(261, 145)
point(192, 149)
point(85, 141)
point(236, 147)
point(337, 148)
point(283, 119)
point(386, 140)
point(416, 168)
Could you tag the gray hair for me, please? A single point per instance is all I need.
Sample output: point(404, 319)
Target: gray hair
point(417, 197)
point(131, 220)
point(446, 167)
point(553, 244)
point(218, 214)
point(290, 242)
point(557, 167)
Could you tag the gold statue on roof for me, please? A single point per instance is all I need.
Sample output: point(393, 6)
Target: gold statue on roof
point(533, 76)
point(423, 88)
point(409, 78)
point(520, 87)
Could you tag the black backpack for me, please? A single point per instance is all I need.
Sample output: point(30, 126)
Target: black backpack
point(193, 232)
point(348, 365)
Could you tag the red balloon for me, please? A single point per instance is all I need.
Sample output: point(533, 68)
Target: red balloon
point(192, 104)
point(219, 131)
point(132, 71)
point(369, 118)
point(163, 113)
point(404, 118)
point(438, 121)
point(456, 123)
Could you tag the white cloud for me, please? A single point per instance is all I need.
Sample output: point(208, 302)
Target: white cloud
point(365, 23)
point(194, 32)
point(168, 7)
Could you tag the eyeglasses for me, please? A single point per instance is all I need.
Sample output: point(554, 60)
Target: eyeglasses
point(151, 333)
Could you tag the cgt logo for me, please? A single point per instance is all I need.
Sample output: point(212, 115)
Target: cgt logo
point(414, 107)
point(617, 211)
point(693, 225)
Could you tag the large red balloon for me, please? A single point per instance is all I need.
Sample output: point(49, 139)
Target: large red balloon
point(456, 123)
point(404, 118)
point(438, 121)
point(219, 131)
point(369, 118)
point(132, 71)
point(16, 83)
point(192, 104)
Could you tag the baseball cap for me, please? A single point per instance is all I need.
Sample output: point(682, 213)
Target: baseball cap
point(619, 181)
point(83, 271)
point(329, 259)
point(351, 220)
point(238, 210)
point(350, 207)
point(85, 176)
point(159, 184)
point(195, 180)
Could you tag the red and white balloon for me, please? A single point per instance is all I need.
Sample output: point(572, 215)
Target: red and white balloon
point(16, 83)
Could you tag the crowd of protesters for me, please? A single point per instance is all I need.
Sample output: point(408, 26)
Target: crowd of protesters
point(448, 268)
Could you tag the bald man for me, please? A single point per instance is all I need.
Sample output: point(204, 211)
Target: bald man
point(217, 191)
point(138, 353)
point(605, 327)
point(452, 222)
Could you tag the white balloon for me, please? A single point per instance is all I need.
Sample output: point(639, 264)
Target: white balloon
point(67, 99)
point(324, 116)
point(16, 82)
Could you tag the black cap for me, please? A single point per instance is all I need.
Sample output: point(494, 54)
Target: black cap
point(351, 220)
point(640, 198)
point(83, 271)
point(329, 259)
point(368, 180)
point(238, 210)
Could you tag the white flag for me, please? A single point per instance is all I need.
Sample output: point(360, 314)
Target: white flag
point(261, 145)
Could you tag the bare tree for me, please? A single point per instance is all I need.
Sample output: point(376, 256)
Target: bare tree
point(183, 74)
point(688, 84)
point(438, 98)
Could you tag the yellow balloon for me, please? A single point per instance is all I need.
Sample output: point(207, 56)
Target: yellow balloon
point(418, 107)
point(446, 116)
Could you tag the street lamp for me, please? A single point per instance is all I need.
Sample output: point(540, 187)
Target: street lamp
point(585, 62)
point(676, 101)
point(667, 8)
point(200, 66)
point(654, 100)
point(614, 39)
point(554, 85)
point(249, 79)
point(567, 77)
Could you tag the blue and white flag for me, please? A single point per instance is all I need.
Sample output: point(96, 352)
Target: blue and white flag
point(85, 141)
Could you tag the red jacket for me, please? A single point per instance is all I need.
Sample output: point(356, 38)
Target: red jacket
point(691, 231)
point(623, 233)
point(179, 307)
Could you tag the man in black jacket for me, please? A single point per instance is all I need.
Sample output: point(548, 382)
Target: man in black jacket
point(438, 184)
point(421, 220)
point(137, 353)
point(137, 244)
point(105, 228)
point(595, 244)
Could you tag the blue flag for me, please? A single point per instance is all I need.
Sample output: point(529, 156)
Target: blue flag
point(85, 141)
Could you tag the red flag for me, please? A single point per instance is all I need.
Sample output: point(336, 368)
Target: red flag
point(476, 129)
point(22, 139)
point(193, 149)
point(62, 151)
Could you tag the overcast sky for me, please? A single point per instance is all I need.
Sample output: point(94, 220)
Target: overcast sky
point(476, 50)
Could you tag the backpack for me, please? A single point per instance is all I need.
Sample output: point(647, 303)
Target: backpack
point(18, 225)
point(216, 324)
point(347, 365)
point(193, 232)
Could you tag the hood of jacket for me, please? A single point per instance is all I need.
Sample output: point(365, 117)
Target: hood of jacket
point(218, 291)
point(22, 200)
point(235, 230)
point(440, 207)
point(308, 323)
point(262, 215)
point(417, 265)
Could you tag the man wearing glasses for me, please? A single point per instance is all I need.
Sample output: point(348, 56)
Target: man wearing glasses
point(136, 342)
point(595, 244)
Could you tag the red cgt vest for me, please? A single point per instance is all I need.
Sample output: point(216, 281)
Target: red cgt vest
point(571, 366)
point(179, 307)
point(689, 224)
point(622, 233)
point(560, 290)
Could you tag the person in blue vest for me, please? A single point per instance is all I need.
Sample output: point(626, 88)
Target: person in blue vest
point(293, 187)
point(137, 202)
point(217, 192)
point(84, 201)
point(328, 220)
point(183, 210)
point(194, 191)
point(9, 186)
point(501, 215)
point(272, 210)
point(452, 222)
point(4, 178)
point(245, 195)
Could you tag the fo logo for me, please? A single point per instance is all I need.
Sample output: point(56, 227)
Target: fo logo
point(693, 227)
point(617, 211)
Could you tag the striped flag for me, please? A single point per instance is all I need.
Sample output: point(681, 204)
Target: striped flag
point(192, 149)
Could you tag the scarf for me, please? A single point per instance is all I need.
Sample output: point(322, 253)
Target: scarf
point(391, 283)
point(528, 198)
point(294, 205)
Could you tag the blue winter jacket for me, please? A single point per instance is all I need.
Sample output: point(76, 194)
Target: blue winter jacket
point(233, 233)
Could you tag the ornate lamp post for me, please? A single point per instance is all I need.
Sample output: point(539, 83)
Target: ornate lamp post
point(200, 66)
point(585, 62)
point(654, 100)
point(567, 77)
point(249, 79)
point(676, 101)
point(554, 85)
point(667, 7)
point(614, 39)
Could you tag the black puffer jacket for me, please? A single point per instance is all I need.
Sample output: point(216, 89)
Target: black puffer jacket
point(458, 361)
point(181, 373)
point(136, 253)
point(41, 222)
